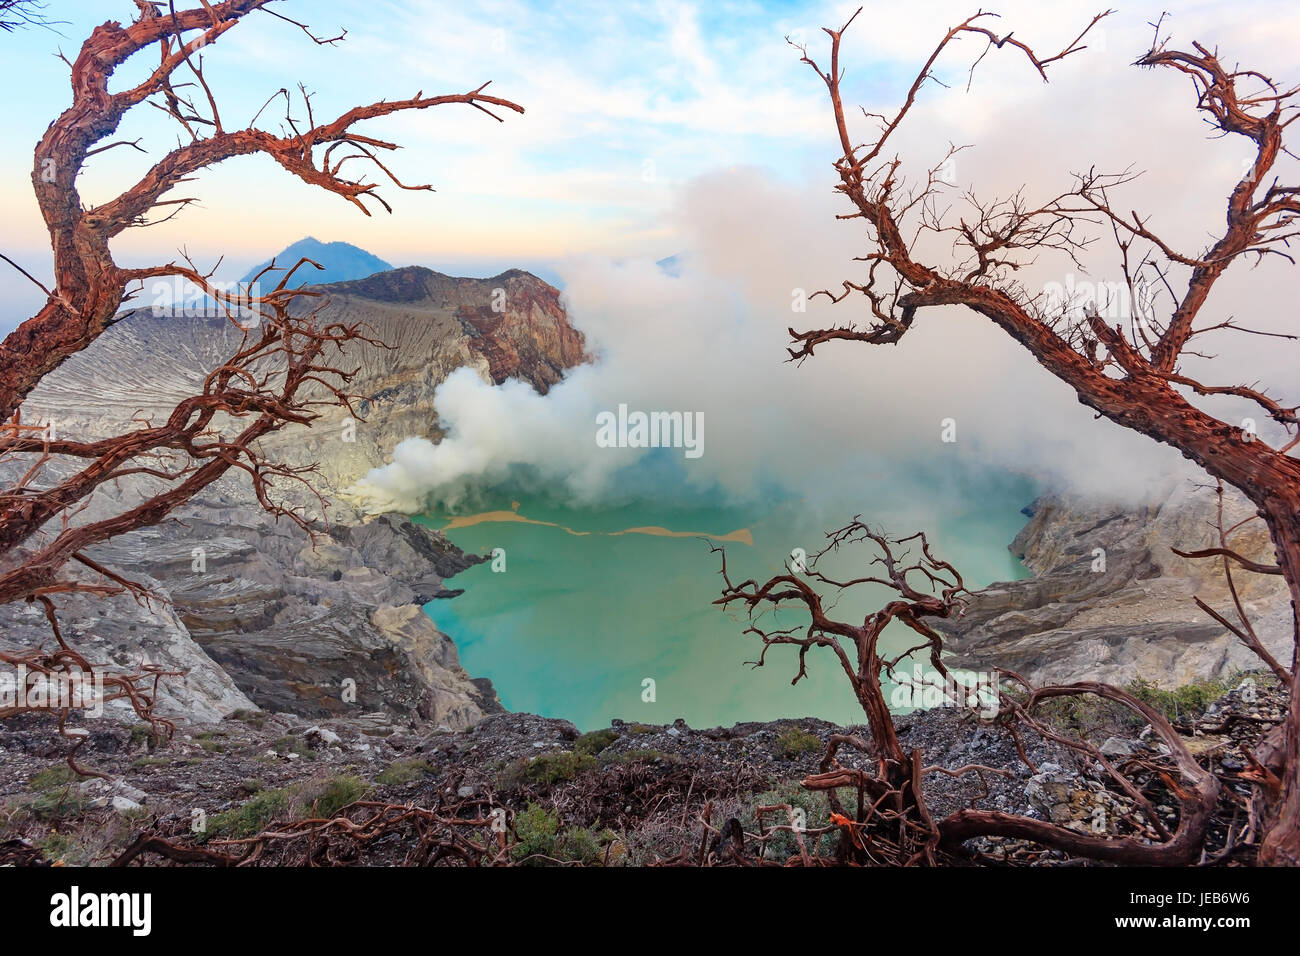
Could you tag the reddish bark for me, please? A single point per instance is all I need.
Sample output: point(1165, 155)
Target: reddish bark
point(1130, 376)
point(288, 366)
point(892, 824)
point(89, 286)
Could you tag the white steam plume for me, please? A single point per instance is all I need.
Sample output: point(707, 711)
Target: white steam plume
point(712, 339)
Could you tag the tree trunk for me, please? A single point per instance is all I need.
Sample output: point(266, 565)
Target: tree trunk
point(1281, 842)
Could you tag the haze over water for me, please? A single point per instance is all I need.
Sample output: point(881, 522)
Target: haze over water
point(578, 621)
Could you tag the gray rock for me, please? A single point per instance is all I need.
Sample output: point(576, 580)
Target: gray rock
point(1048, 789)
point(322, 735)
point(131, 793)
point(1136, 617)
point(1116, 747)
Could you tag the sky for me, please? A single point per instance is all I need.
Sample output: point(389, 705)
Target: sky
point(625, 102)
point(662, 128)
point(626, 105)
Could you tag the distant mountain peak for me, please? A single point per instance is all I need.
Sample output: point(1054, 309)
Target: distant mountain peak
point(673, 264)
point(342, 261)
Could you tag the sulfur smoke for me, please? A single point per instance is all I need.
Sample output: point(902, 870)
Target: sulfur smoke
point(708, 338)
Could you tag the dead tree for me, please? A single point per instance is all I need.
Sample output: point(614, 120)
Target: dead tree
point(289, 363)
point(1129, 371)
point(15, 14)
point(891, 823)
point(453, 832)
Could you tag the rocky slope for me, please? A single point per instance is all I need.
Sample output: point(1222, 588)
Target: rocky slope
point(254, 612)
point(646, 779)
point(1110, 601)
point(431, 324)
point(627, 795)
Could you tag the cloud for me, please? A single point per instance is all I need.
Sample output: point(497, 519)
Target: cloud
point(711, 340)
point(703, 90)
point(856, 418)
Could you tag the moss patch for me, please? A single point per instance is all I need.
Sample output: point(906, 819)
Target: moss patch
point(326, 798)
point(404, 771)
point(594, 742)
point(792, 743)
point(243, 821)
point(546, 769)
point(1182, 703)
point(59, 775)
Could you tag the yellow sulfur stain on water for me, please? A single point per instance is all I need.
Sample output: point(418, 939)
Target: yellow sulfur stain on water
point(490, 517)
point(741, 536)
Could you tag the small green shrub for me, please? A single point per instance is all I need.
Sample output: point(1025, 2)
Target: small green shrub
point(63, 847)
point(403, 771)
point(642, 755)
point(1096, 718)
point(60, 775)
point(547, 769)
point(328, 797)
point(142, 735)
point(314, 798)
point(581, 846)
point(792, 743)
point(594, 742)
point(538, 833)
point(1182, 703)
point(254, 718)
point(290, 744)
point(535, 830)
point(782, 845)
point(59, 803)
point(249, 818)
point(212, 741)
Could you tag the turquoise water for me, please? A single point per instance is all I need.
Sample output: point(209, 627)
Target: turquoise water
point(576, 623)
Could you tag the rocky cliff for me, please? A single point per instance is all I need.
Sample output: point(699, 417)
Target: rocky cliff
point(508, 326)
point(255, 613)
point(1110, 600)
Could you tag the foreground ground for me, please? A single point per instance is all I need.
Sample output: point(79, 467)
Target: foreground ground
point(630, 794)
